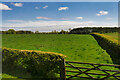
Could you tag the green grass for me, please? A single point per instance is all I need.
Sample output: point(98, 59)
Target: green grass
point(82, 48)
point(8, 76)
point(113, 35)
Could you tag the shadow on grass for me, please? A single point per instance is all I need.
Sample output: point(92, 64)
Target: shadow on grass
point(15, 71)
point(19, 73)
point(31, 79)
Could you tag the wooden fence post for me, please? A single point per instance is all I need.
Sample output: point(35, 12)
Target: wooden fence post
point(62, 70)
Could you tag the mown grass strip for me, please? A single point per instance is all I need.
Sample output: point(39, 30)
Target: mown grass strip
point(109, 38)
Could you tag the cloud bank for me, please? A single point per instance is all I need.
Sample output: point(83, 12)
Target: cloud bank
point(40, 23)
point(48, 26)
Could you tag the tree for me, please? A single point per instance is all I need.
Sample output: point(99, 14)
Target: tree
point(11, 31)
point(63, 32)
point(70, 29)
point(36, 32)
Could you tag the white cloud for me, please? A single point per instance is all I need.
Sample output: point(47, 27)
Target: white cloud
point(4, 7)
point(17, 4)
point(108, 18)
point(53, 25)
point(79, 18)
point(98, 14)
point(41, 23)
point(15, 21)
point(42, 18)
point(36, 7)
point(64, 19)
point(102, 13)
point(63, 8)
point(45, 6)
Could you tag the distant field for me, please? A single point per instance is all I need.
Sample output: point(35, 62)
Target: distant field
point(83, 48)
point(113, 35)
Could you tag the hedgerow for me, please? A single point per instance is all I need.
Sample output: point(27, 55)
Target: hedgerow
point(111, 45)
point(38, 63)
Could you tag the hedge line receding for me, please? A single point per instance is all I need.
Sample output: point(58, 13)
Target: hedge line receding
point(37, 63)
point(111, 45)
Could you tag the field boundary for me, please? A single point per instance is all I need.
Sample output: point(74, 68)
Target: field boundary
point(109, 44)
point(97, 67)
point(37, 51)
point(41, 64)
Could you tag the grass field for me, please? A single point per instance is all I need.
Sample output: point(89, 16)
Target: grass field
point(113, 35)
point(82, 48)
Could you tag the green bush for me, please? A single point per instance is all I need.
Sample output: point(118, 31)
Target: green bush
point(38, 63)
point(111, 45)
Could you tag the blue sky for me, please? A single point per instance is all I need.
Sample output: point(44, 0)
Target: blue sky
point(60, 0)
point(48, 16)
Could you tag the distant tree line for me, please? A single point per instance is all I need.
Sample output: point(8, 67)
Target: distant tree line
point(87, 30)
point(12, 31)
point(53, 32)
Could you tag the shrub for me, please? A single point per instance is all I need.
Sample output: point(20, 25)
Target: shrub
point(111, 45)
point(38, 63)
